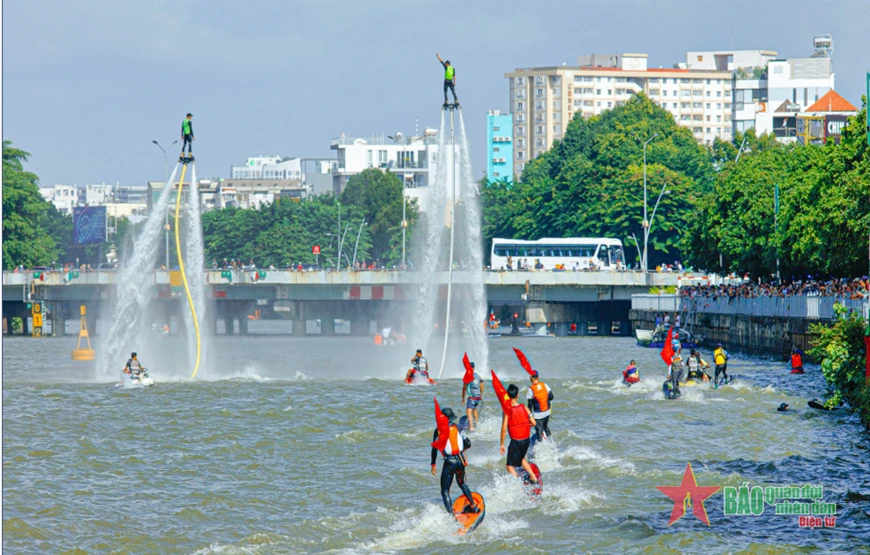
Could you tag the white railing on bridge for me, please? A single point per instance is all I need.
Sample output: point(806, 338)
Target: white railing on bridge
point(812, 307)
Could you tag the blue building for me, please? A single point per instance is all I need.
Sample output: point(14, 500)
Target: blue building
point(499, 146)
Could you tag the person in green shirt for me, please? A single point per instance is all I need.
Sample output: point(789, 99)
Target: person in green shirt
point(187, 135)
point(449, 79)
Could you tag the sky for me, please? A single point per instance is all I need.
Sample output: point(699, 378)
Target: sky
point(87, 85)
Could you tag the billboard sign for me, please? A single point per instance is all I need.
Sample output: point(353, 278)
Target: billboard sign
point(89, 224)
point(834, 125)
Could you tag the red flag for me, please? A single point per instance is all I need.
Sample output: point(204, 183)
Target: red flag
point(443, 428)
point(668, 349)
point(524, 362)
point(469, 371)
point(500, 393)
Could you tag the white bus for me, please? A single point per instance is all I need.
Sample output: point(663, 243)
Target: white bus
point(570, 253)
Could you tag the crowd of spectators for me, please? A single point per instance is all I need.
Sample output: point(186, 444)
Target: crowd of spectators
point(852, 289)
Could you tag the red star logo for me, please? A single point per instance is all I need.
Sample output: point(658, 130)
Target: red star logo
point(689, 494)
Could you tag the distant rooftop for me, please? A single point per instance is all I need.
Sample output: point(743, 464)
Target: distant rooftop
point(832, 102)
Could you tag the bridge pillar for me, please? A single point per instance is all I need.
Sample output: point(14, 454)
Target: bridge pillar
point(583, 328)
point(561, 329)
point(298, 327)
point(25, 323)
point(625, 327)
point(327, 327)
point(229, 325)
point(212, 319)
point(58, 321)
point(604, 327)
point(243, 323)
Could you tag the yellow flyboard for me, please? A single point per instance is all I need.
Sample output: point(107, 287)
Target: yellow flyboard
point(181, 268)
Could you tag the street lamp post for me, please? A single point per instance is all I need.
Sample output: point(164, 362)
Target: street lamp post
point(166, 213)
point(646, 223)
point(397, 138)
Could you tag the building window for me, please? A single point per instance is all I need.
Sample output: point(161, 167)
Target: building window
point(597, 91)
point(495, 149)
point(697, 105)
point(539, 129)
point(539, 80)
point(708, 118)
point(700, 58)
point(557, 129)
point(718, 94)
point(382, 157)
point(520, 130)
point(369, 158)
point(578, 103)
point(598, 79)
point(708, 93)
point(539, 142)
point(719, 119)
point(654, 80)
point(609, 92)
point(521, 155)
point(686, 93)
point(588, 103)
point(521, 106)
point(520, 81)
point(709, 130)
point(521, 118)
point(653, 92)
point(495, 128)
point(675, 106)
point(539, 105)
point(521, 143)
point(696, 81)
point(539, 93)
point(610, 104)
point(697, 93)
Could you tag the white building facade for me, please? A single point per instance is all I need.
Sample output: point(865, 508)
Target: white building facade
point(409, 158)
point(63, 197)
point(545, 99)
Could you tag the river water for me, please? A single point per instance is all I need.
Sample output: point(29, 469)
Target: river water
point(311, 445)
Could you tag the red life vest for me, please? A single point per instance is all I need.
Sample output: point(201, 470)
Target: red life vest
point(796, 361)
point(542, 397)
point(519, 426)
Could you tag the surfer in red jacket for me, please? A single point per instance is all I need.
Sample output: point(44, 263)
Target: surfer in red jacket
point(518, 421)
point(452, 444)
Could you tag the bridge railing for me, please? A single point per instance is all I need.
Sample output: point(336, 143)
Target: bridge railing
point(812, 307)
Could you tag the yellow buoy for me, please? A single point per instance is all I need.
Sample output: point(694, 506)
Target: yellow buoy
point(79, 353)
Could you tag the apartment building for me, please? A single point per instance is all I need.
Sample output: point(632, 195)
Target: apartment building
point(64, 197)
point(769, 92)
point(499, 146)
point(544, 99)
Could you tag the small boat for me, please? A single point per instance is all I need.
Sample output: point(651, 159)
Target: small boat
point(142, 380)
point(656, 339)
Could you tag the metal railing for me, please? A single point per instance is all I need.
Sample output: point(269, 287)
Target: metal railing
point(811, 307)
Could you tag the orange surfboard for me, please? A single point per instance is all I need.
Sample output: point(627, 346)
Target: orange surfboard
point(468, 521)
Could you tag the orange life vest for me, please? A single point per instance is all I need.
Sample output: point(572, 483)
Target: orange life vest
point(542, 397)
point(454, 445)
point(519, 426)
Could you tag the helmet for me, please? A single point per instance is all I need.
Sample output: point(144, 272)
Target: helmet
point(189, 115)
point(133, 355)
point(448, 412)
point(472, 364)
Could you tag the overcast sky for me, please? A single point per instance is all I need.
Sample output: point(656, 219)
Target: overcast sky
point(88, 85)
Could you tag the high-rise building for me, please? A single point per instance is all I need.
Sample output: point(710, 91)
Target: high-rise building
point(499, 146)
point(544, 99)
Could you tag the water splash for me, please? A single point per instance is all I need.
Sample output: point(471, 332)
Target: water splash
point(468, 295)
point(194, 268)
point(134, 292)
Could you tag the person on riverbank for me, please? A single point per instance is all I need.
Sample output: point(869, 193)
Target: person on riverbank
point(449, 79)
point(517, 421)
point(472, 395)
point(420, 364)
point(452, 444)
point(720, 359)
point(631, 374)
point(797, 361)
point(538, 399)
point(696, 366)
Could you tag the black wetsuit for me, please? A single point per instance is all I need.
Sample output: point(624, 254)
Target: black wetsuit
point(454, 465)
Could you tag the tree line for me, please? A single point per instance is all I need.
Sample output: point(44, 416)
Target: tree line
point(717, 209)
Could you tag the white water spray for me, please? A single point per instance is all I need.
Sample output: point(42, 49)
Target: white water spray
point(194, 269)
point(134, 287)
point(463, 321)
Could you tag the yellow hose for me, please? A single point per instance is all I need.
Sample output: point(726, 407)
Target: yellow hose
point(181, 267)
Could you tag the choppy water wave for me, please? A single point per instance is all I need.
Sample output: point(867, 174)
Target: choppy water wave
point(292, 449)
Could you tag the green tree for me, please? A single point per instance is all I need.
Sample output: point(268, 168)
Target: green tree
point(26, 215)
point(378, 195)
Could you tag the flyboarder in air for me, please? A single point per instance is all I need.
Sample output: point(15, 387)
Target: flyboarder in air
point(187, 138)
point(449, 81)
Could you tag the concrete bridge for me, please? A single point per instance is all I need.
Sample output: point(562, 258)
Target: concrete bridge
point(362, 297)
